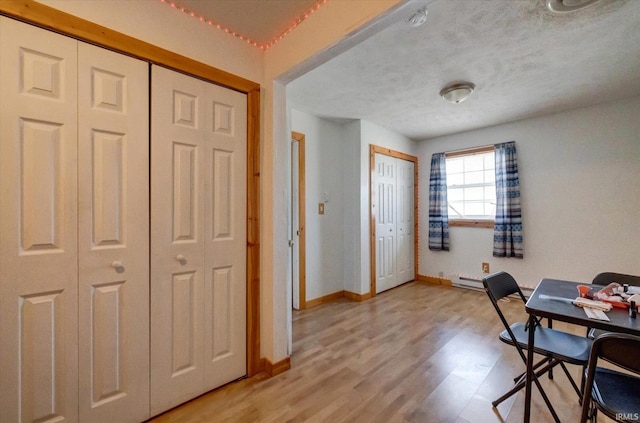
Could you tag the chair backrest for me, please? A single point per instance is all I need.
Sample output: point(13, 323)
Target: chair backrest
point(618, 348)
point(606, 278)
point(501, 284)
point(497, 286)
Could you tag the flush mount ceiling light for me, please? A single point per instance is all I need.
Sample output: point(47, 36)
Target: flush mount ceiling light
point(564, 6)
point(456, 93)
point(417, 18)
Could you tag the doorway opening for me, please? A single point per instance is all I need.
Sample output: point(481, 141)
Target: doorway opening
point(297, 242)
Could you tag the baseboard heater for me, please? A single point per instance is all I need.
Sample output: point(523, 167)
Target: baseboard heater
point(475, 283)
point(467, 282)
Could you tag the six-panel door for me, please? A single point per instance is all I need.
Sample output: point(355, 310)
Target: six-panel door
point(38, 225)
point(393, 201)
point(177, 244)
point(74, 230)
point(385, 209)
point(198, 237)
point(74, 233)
point(113, 236)
point(405, 212)
point(225, 234)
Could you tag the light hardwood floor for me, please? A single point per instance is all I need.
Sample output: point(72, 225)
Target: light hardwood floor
point(416, 353)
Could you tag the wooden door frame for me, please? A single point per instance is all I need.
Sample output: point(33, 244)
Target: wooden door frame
point(373, 149)
point(302, 236)
point(53, 19)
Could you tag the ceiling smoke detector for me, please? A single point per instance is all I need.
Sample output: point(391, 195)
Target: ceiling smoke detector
point(564, 6)
point(417, 18)
point(457, 93)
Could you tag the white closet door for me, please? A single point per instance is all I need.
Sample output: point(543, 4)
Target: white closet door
point(384, 202)
point(405, 221)
point(225, 236)
point(177, 238)
point(393, 201)
point(113, 182)
point(38, 225)
point(198, 237)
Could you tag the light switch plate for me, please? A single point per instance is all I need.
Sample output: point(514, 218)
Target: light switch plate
point(320, 208)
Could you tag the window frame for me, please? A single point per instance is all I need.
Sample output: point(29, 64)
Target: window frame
point(470, 223)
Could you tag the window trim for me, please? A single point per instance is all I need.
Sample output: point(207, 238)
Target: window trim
point(471, 223)
point(469, 151)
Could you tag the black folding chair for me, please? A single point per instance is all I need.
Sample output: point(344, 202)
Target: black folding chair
point(605, 278)
point(557, 347)
point(615, 394)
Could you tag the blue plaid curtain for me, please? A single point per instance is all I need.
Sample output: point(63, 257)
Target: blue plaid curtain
point(507, 232)
point(438, 213)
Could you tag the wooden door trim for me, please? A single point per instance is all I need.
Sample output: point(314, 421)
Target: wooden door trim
point(302, 237)
point(47, 17)
point(373, 149)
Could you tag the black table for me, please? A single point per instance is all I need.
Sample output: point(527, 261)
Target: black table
point(566, 312)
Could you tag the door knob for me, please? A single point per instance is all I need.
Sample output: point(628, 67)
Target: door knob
point(116, 264)
point(182, 259)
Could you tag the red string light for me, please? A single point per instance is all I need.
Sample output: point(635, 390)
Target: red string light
point(266, 46)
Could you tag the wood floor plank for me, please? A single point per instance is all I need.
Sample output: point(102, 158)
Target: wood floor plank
point(416, 353)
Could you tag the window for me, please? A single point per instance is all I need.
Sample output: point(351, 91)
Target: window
point(471, 189)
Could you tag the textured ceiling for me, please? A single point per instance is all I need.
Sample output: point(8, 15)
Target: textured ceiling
point(524, 60)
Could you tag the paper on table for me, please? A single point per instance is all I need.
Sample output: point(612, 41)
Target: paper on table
point(593, 313)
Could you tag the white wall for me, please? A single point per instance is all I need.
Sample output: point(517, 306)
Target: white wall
point(352, 250)
point(323, 165)
point(372, 134)
point(161, 25)
point(341, 239)
point(334, 27)
point(580, 184)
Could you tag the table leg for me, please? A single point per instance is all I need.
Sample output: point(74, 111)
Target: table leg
point(550, 326)
point(528, 387)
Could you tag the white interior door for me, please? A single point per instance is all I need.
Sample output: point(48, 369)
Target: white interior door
point(295, 224)
point(393, 202)
point(38, 225)
point(177, 244)
point(384, 202)
point(225, 288)
point(405, 221)
point(198, 237)
point(113, 183)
